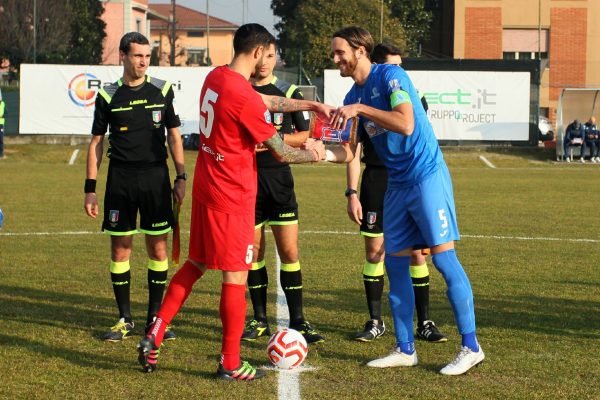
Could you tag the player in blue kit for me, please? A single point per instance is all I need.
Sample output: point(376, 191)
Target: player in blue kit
point(419, 202)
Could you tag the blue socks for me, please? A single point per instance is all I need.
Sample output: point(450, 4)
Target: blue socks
point(459, 294)
point(402, 301)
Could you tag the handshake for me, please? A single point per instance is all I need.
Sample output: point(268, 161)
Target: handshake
point(317, 147)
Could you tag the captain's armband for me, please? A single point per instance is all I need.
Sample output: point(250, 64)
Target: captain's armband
point(399, 97)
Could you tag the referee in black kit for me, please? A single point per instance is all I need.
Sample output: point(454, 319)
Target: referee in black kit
point(136, 109)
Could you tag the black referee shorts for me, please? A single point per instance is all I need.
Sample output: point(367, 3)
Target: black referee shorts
point(372, 191)
point(275, 200)
point(129, 190)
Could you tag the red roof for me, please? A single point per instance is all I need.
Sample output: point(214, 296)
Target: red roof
point(187, 18)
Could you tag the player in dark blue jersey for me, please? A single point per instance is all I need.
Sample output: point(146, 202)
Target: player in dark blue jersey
point(419, 202)
point(367, 211)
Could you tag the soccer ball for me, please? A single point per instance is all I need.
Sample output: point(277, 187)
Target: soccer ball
point(287, 349)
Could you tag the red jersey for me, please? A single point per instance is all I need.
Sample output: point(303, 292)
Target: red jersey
point(233, 119)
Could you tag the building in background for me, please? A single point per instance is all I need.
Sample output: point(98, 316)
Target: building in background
point(563, 34)
point(200, 40)
point(122, 16)
point(197, 36)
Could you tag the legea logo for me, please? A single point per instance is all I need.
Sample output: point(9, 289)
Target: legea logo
point(83, 89)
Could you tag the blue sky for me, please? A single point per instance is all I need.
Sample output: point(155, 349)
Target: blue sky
point(231, 10)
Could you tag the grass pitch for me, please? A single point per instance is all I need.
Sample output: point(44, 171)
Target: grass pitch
point(530, 246)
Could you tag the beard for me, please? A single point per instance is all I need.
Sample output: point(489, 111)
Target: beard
point(349, 67)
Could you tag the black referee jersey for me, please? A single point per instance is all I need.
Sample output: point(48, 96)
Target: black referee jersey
point(285, 123)
point(137, 118)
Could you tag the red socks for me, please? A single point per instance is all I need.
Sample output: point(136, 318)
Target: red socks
point(233, 315)
point(232, 310)
point(178, 291)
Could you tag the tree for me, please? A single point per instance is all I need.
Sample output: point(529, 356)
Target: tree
point(67, 31)
point(307, 25)
point(17, 30)
point(87, 32)
point(416, 21)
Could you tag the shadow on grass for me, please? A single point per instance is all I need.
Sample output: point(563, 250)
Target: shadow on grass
point(81, 312)
point(70, 355)
point(531, 313)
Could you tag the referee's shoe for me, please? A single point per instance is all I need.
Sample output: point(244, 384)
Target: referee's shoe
point(308, 332)
point(427, 331)
point(372, 330)
point(121, 330)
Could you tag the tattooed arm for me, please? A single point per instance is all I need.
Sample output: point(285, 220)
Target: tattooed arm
point(283, 104)
point(286, 153)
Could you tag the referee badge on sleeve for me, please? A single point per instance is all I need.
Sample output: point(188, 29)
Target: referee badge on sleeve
point(278, 118)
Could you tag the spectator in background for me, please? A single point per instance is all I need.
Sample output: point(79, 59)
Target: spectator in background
point(592, 139)
point(2, 106)
point(574, 136)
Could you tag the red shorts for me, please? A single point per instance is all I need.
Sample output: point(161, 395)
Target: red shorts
point(220, 240)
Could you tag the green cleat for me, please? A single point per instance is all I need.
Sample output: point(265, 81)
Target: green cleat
point(122, 330)
point(255, 329)
point(308, 332)
point(245, 372)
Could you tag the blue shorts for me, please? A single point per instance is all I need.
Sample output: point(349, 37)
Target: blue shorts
point(422, 215)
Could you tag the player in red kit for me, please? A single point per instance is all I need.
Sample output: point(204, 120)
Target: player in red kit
point(233, 119)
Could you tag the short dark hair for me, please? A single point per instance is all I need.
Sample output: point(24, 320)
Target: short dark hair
point(383, 50)
point(250, 36)
point(356, 37)
point(132, 37)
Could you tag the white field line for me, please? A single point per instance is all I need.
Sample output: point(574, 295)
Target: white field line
point(74, 156)
point(288, 382)
point(282, 297)
point(539, 238)
point(487, 162)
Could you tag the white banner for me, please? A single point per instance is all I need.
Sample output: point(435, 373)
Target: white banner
point(59, 99)
point(463, 105)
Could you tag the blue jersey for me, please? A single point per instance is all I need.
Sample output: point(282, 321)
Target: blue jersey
point(408, 159)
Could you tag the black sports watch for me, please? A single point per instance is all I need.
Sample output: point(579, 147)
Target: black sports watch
point(350, 192)
point(182, 176)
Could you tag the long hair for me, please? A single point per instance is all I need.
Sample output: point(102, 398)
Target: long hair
point(356, 37)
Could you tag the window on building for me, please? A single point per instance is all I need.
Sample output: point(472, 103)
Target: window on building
point(524, 55)
point(525, 44)
point(195, 34)
point(196, 56)
point(138, 25)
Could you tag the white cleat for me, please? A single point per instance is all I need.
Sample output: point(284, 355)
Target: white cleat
point(395, 359)
point(464, 361)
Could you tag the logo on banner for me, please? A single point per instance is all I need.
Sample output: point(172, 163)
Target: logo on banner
point(83, 89)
